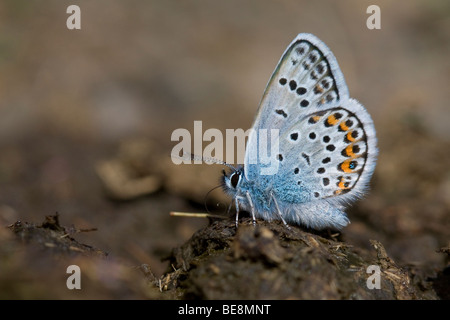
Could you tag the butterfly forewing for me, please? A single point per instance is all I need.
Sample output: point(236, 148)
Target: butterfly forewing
point(306, 78)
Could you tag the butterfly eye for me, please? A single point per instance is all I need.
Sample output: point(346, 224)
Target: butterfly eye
point(235, 179)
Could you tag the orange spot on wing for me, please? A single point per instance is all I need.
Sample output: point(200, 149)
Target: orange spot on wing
point(349, 151)
point(318, 89)
point(343, 126)
point(332, 120)
point(350, 137)
point(343, 185)
point(345, 166)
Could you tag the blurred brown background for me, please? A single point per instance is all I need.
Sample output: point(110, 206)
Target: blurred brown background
point(137, 70)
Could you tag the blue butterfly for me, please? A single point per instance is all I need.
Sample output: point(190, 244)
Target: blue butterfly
point(325, 144)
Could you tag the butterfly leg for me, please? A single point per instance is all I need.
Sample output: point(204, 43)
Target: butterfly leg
point(250, 202)
point(236, 202)
point(278, 210)
point(229, 207)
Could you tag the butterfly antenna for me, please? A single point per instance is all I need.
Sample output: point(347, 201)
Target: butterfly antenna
point(206, 196)
point(194, 157)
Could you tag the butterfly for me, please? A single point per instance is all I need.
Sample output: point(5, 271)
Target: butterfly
point(325, 144)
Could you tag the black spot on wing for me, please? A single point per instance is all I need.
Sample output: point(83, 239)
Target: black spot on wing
point(281, 112)
point(306, 157)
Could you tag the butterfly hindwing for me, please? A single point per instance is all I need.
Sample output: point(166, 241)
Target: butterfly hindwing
point(329, 153)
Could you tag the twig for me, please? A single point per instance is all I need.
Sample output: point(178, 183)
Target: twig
point(195, 215)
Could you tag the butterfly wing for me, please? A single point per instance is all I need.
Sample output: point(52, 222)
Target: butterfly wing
point(326, 144)
point(327, 153)
point(306, 76)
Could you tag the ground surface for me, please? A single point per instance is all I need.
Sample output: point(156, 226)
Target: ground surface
point(85, 131)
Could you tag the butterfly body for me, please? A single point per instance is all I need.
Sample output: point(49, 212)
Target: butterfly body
point(294, 204)
point(324, 143)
